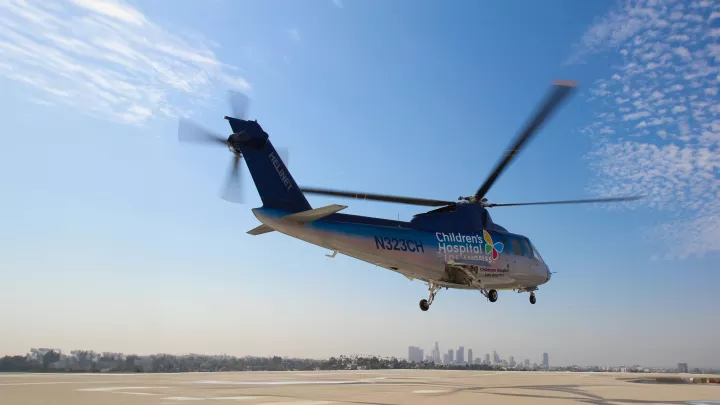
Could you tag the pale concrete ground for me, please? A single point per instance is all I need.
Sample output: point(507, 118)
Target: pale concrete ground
point(344, 387)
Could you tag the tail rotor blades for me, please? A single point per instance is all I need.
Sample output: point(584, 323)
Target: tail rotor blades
point(233, 184)
point(239, 103)
point(284, 155)
point(191, 132)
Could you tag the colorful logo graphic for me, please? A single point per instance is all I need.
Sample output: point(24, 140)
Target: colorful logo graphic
point(496, 248)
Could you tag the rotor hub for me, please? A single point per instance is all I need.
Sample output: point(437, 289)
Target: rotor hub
point(234, 149)
point(474, 200)
point(235, 140)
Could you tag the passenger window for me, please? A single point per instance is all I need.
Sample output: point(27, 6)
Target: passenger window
point(515, 247)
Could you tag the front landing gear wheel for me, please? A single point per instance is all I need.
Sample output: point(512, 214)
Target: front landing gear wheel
point(492, 295)
point(424, 304)
point(532, 298)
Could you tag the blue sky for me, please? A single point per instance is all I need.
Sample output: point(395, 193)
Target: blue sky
point(115, 238)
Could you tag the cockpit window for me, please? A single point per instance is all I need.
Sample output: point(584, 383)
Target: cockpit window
point(536, 253)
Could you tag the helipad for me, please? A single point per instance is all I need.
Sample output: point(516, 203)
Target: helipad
point(347, 387)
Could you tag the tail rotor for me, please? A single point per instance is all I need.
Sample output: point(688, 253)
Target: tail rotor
point(193, 133)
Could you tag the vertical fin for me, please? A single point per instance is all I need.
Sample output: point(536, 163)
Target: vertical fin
point(273, 181)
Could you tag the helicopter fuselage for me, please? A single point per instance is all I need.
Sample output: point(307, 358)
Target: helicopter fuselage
point(486, 258)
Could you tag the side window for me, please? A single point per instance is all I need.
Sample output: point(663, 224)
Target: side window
point(515, 247)
point(527, 252)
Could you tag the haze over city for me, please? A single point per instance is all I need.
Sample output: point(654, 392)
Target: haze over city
point(114, 237)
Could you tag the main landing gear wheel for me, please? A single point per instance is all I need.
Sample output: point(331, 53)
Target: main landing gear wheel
point(425, 303)
point(532, 298)
point(492, 295)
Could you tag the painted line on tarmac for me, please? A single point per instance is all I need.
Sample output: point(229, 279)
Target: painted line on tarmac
point(108, 389)
point(290, 382)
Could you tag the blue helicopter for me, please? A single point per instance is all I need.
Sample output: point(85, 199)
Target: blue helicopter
point(455, 245)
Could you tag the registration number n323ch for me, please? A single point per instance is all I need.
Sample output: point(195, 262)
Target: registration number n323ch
point(403, 245)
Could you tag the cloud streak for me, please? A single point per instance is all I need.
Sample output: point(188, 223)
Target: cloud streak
point(107, 59)
point(657, 129)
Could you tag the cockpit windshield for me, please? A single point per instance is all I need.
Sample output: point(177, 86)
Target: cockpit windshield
point(535, 252)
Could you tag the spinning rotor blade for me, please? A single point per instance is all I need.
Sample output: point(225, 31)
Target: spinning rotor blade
point(569, 201)
point(233, 184)
point(191, 132)
point(560, 90)
point(378, 197)
point(284, 155)
point(239, 103)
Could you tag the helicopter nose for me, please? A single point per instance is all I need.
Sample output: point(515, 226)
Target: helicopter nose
point(549, 274)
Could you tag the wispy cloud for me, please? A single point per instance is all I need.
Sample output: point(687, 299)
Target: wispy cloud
point(107, 59)
point(657, 129)
point(294, 34)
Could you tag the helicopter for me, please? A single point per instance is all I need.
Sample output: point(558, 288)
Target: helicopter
point(456, 245)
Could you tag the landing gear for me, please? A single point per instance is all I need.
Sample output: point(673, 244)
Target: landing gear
point(492, 295)
point(425, 303)
point(531, 290)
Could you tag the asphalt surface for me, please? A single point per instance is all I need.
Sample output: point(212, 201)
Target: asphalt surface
point(347, 387)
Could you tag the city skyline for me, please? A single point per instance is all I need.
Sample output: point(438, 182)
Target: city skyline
point(456, 356)
point(54, 358)
point(115, 236)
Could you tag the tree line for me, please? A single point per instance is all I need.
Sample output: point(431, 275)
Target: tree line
point(52, 360)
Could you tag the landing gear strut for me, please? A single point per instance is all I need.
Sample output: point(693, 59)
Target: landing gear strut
point(425, 303)
point(532, 298)
point(491, 295)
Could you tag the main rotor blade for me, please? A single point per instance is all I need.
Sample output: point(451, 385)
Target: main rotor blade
point(560, 90)
point(189, 131)
point(594, 200)
point(233, 185)
point(378, 197)
point(239, 103)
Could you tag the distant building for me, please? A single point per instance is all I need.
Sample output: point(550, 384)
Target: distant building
point(436, 353)
point(527, 362)
point(487, 358)
point(470, 357)
point(682, 368)
point(512, 361)
point(461, 355)
point(545, 361)
point(496, 357)
point(415, 354)
point(450, 357)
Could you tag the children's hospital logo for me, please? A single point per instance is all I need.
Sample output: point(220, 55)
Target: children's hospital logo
point(492, 248)
point(458, 246)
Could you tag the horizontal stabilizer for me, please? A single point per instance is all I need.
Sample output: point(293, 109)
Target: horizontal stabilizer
point(260, 230)
point(314, 214)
